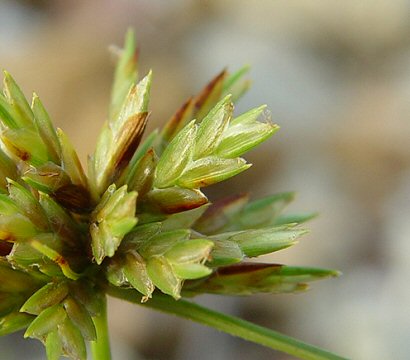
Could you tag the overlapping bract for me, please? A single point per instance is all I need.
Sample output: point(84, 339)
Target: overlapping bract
point(140, 219)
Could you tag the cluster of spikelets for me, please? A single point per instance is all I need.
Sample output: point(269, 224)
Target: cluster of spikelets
point(139, 220)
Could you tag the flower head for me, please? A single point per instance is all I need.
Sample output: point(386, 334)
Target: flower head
point(139, 219)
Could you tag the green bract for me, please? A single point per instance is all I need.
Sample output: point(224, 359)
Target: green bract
point(138, 225)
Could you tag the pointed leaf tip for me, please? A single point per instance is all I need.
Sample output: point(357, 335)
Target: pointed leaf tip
point(125, 74)
point(121, 136)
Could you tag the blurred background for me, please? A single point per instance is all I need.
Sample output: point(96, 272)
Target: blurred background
point(336, 78)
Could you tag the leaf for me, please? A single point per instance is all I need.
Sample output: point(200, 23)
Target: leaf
point(50, 269)
point(209, 95)
point(189, 251)
point(26, 145)
point(143, 175)
point(249, 278)
point(14, 322)
point(306, 274)
point(141, 234)
point(121, 207)
point(16, 228)
point(174, 125)
point(24, 115)
point(162, 242)
point(221, 213)
point(176, 157)
point(128, 140)
point(135, 270)
point(56, 257)
point(263, 241)
point(80, 317)
point(60, 220)
point(294, 218)
point(138, 154)
point(125, 74)
point(54, 346)
point(28, 205)
point(48, 177)
point(224, 253)
point(122, 226)
point(88, 295)
point(7, 206)
point(103, 209)
point(163, 277)
point(183, 219)
point(10, 302)
point(212, 128)
point(191, 271)
point(8, 169)
point(239, 89)
point(234, 83)
point(46, 322)
point(24, 255)
point(211, 170)
point(263, 212)
point(7, 113)
point(70, 162)
point(121, 136)
point(49, 295)
point(72, 340)
point(13, 280)
point(115, 273)
point(112, 219)
point(46, 129)
point(241, 138)
point(103, 244)
point(174, 199)
point(134, 103)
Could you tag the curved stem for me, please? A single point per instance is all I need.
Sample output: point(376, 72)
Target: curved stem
point(101, 347)
point(228, 324)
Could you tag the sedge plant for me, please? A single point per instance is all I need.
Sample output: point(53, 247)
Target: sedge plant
point(137, 226)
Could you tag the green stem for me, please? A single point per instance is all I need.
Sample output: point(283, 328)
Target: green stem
point(101, 347)
point(228, 324)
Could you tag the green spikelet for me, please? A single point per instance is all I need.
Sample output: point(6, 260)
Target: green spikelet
point(137, 225)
